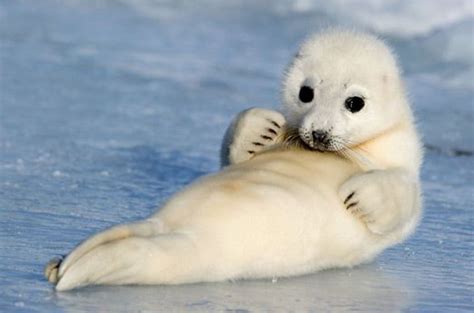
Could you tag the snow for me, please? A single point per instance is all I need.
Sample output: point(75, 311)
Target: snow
point(101, 110)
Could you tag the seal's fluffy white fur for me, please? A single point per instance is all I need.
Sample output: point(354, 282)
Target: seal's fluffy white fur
point(282, 210)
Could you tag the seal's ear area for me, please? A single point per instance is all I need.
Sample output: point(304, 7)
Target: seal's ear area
point(297, 55)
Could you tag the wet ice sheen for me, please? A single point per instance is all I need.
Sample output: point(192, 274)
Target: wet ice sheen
point(101, 110)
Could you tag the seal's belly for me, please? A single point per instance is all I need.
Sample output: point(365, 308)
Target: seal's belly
point(274, 183)
point(283, 203)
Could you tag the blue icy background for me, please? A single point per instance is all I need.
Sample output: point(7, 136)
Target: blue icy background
point(108, 107)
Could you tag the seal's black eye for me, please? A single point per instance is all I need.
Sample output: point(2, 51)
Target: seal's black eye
point(354, 104)
point(306, 94)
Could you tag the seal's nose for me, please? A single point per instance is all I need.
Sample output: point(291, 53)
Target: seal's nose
point(320, 136)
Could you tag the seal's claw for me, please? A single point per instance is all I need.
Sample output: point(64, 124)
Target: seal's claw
point(52, 268)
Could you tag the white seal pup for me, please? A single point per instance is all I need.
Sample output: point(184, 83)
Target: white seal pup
point(331, 183)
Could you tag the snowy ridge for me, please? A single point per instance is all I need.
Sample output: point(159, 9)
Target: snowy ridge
point(404, 18)
point(449, 23)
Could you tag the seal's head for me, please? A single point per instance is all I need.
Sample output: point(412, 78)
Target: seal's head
point(342, 89)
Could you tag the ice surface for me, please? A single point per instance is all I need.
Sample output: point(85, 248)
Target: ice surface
point(102, 106)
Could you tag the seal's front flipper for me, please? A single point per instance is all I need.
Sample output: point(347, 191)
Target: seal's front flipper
point(249, 133)
point(384, 200)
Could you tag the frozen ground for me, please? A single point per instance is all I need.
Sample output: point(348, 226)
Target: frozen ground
point(102, 106)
